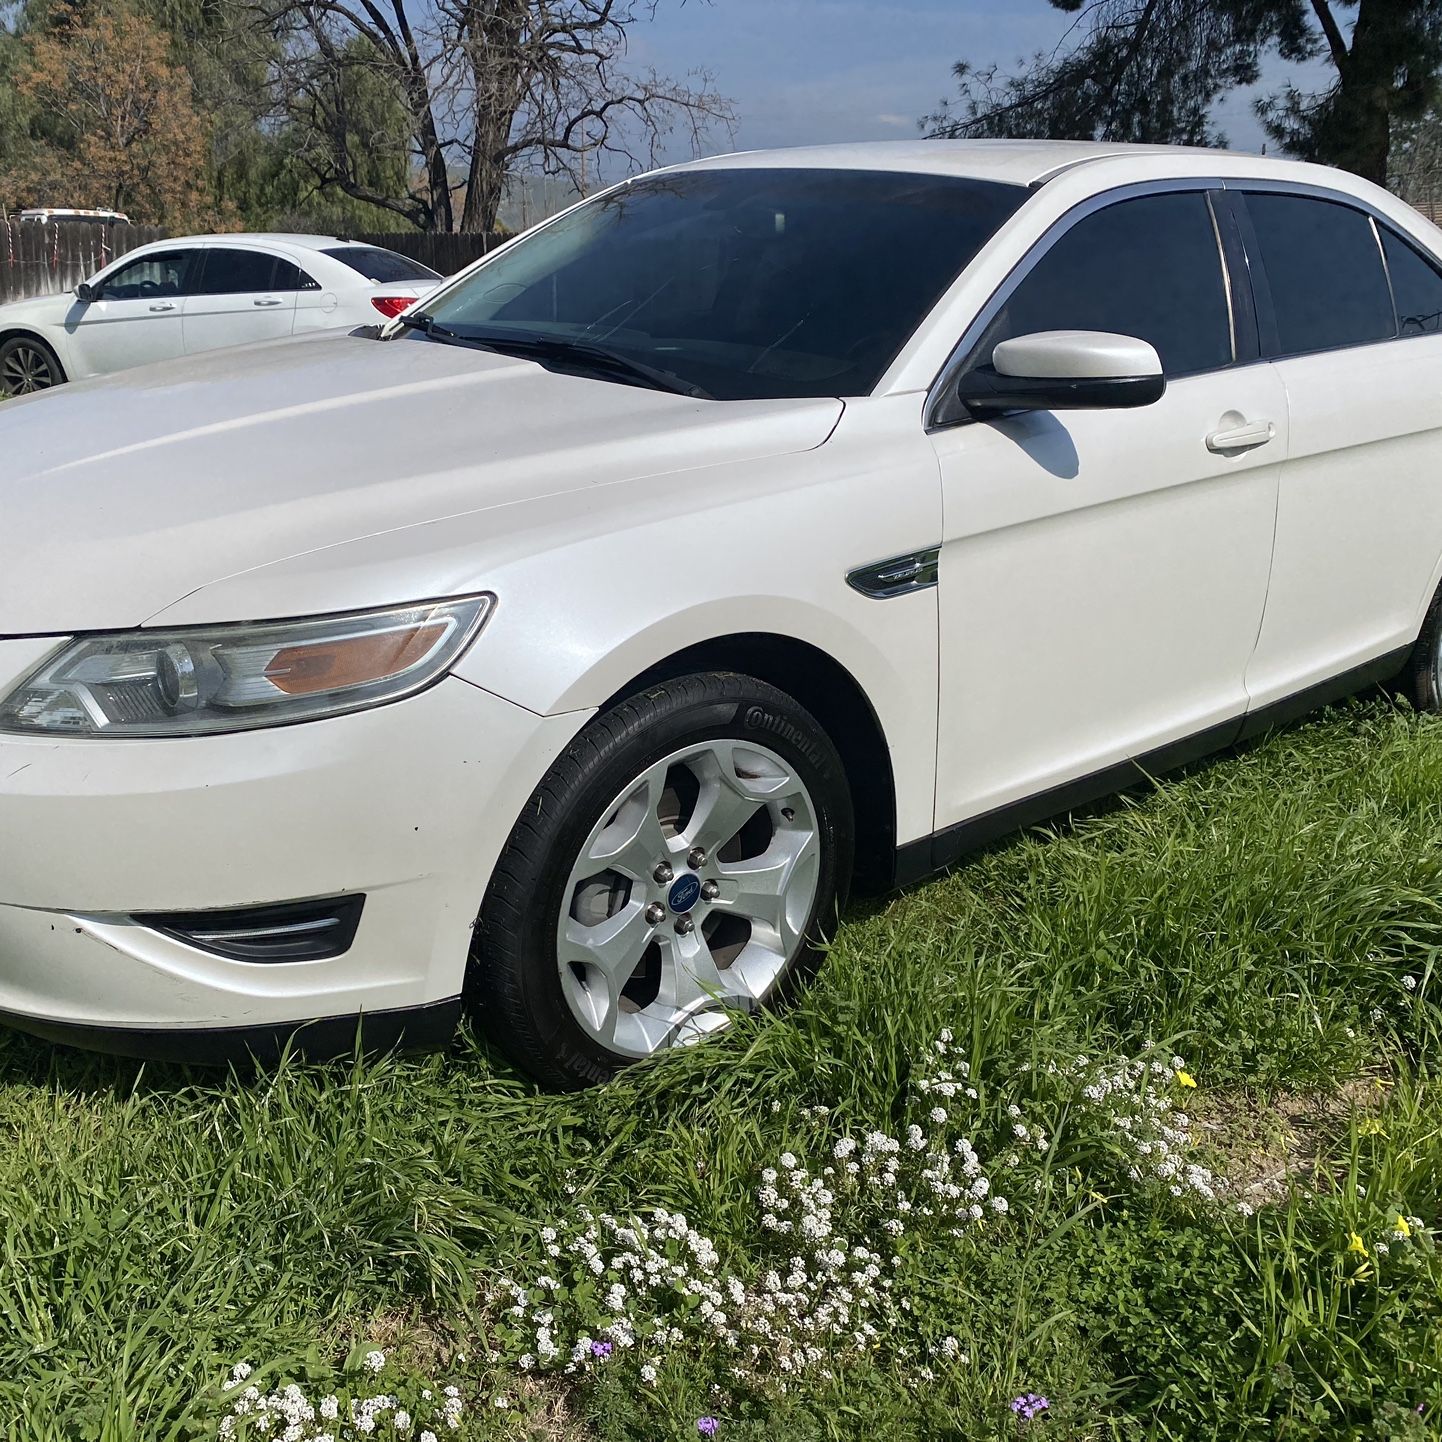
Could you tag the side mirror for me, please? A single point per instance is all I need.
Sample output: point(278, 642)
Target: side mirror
point(1064, 370)
point(85, 292)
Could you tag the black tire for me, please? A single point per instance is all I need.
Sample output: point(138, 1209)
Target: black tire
point(27, 365)
point(1421, 679)
point(514, 972)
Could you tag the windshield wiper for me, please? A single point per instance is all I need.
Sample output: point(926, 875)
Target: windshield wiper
point(426, 325)
point(586, 354)
point(598, 357)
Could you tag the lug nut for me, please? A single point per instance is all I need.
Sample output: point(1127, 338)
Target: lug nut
point(655, 913)
point(663, 873)
point(697, 859)
point(709, 891)
point(684, 926)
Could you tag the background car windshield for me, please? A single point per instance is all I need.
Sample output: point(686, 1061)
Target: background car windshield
point(384, 267)
point(748, 283)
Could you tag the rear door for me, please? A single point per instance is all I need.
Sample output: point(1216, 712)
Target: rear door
point(240, 299)
point(137, 315)
point(1359, 513)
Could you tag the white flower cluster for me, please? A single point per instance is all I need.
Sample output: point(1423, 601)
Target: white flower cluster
point(1132, 1097)
point(661, 1283)
point(288, 1415)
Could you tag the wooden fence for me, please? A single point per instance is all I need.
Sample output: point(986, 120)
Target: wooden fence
point(50, 259)
point(443, 253)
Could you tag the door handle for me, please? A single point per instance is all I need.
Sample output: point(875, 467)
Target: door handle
point(164, 305)
point(1242, 438)
point(268, 300)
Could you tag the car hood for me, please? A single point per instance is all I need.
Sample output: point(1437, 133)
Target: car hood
point(38, 310)
point(122, 495)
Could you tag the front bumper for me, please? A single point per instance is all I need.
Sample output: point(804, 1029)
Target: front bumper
point(408, 803)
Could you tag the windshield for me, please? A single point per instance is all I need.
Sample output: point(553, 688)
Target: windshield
point(743, 283)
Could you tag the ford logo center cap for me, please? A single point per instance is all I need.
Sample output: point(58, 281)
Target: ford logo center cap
point(685, 894)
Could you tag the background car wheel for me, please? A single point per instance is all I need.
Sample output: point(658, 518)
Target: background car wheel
point(27, 365)
point(1422, 679)
point(679, 861)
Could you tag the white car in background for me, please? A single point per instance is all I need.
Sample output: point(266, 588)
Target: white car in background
point(176, 298)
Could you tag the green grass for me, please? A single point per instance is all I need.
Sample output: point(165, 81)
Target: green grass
point(1258, 917)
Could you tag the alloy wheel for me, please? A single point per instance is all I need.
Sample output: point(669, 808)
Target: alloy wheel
point(690, 897)
point(25, 369)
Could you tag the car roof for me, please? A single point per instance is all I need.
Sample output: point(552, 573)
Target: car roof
point(1015, 162)
point(295, 242)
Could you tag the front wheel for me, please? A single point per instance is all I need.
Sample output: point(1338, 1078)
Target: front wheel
point(27, 365)
point(679, 862)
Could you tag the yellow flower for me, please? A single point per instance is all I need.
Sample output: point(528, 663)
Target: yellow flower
point(1356, 1244)
point(1402, 1226)
point(1186, 1079)
point(1370, 1127)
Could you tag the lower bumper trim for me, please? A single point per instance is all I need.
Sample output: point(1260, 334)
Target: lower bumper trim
point(418, 1028)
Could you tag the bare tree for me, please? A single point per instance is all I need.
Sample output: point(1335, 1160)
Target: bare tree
point(488, 86)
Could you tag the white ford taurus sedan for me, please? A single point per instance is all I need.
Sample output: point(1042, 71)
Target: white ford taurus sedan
point(180, 297)
point(757, 526)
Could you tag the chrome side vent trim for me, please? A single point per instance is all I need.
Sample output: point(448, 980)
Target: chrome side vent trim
point(899, 576)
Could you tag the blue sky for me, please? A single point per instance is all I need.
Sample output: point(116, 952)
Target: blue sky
point(812, 71)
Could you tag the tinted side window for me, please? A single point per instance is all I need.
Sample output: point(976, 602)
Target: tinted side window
point(1325, 273)
point(163, 273)
point(236, 272)
point(1149, 268)
point(289, 276)
point(1416, 287)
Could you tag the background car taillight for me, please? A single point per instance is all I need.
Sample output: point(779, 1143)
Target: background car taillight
point(391, 306)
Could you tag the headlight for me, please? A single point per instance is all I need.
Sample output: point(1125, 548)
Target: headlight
point(232, 678)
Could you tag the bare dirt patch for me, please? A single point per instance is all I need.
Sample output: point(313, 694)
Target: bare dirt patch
point(1273, 1147)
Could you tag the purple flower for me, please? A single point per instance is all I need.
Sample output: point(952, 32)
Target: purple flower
point(1029, 1406)
point(600, 1349)
point(707, 1426)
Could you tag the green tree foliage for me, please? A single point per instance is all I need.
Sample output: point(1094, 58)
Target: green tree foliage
point(1151, 70)
point(254, 167)
point(1386, 78)
point(110, 121)
point(15, 109)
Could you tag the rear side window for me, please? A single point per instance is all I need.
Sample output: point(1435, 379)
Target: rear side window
point(1416, 287)
point(384, 267)
point(289, 276)
point(1325, 273)
point(236, 272)
point(1150, 268)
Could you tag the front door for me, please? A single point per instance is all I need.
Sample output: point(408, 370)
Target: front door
point(137, 314)
point(1103, 573)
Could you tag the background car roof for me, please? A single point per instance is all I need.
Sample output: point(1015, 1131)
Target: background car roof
point(296, 242)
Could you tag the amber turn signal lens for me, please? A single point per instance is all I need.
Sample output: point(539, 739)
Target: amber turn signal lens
point(351, 660)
